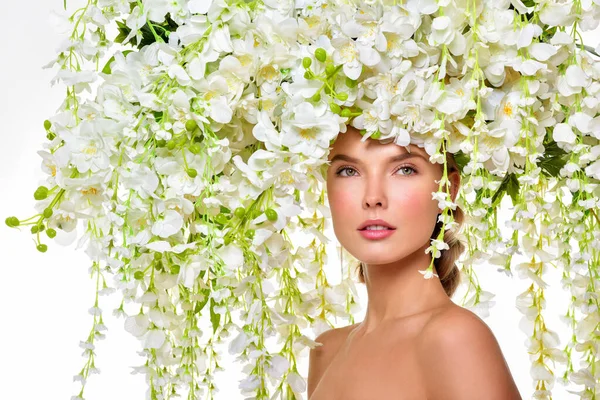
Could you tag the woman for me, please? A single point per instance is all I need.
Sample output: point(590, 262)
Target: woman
point(414, 342)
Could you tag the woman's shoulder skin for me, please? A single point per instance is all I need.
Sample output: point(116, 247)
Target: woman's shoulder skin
point(463, 359)
point(321, 356)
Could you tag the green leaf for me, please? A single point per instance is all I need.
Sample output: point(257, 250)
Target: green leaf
point(553, 159)
point(461, 159)
point(509, 185)
point(200, 305)
point(214, 317)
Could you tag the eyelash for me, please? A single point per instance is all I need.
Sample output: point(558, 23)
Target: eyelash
point(397, 169)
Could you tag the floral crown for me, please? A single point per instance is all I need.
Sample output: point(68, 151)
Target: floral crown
point(200, 152)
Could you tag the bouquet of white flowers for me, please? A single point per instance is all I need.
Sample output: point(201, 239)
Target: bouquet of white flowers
point(201, 149)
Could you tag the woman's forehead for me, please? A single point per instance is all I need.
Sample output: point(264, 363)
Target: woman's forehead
point(351, 142)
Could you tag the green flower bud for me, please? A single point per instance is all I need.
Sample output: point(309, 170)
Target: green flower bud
point(222, 219)
point(309, 75)
point(50, 136)
point(34, 229)
point(161, 143)
point(346, 113)
point(175, 269)
point(48, 212)
point(47, 125)
point(271, 214)
point(316, 97)
point(41, 193)
point(306, 61)
point(351, 83)
point(329, 70)
point(190, 125)
point(42, 248)
point(342, 96)
point(240, 212)
point(250, 234)
point(171, 144)
point(195, 148)
point(139, 275)
point(321, 54)
point(192, 173)
point(376, 135)
point(335, 108)
point(227, 240)
point(157, 256)
point(12, 221)
point(51, 233)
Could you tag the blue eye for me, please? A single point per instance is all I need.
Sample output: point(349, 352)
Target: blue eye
point(346, 167)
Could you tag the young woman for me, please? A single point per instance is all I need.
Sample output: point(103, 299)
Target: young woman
point(414, 342)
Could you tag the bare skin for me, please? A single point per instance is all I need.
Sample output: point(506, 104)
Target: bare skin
point(382, 364)
point(389, 354)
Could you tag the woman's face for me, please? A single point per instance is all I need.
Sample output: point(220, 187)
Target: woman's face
point(373, 186)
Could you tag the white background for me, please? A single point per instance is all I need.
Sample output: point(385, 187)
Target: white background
point(44, 298)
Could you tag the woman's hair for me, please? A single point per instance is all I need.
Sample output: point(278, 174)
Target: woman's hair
point(445, 265)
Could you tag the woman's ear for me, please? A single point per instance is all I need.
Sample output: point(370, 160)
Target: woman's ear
point(454, 178)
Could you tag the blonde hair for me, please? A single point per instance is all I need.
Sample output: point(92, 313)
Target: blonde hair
point(445, 265)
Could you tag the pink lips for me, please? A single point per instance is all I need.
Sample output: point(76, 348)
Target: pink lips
point(380, 234)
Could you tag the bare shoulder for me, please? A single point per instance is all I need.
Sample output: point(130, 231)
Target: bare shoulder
point(321, 356)
point(461, 358)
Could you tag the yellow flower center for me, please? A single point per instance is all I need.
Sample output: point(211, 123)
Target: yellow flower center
point(508, 111)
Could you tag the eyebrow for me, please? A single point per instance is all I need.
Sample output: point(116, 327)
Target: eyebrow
point(400, 157)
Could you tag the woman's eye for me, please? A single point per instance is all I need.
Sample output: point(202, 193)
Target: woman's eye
point(406, 167)
point(409, 168)
point(343, 169)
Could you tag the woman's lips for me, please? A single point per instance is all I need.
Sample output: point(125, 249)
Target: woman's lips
point(376, 234)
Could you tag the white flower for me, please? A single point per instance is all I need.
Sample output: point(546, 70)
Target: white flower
point(442, 31)
point(154, 339)
point(297, 383)
point(311, 130)
point(170, 223)
point(137, 325)
point(563, 135)
point(375, 118)
point(428, 273)
point(353, 55)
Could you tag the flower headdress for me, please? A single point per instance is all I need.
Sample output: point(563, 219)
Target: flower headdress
point(202, 150)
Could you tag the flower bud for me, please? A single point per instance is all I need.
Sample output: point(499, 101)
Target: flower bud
point(342, 96)
point(195, 148)
point(306, 62)
point(271, 214)
point(335, 108)
point(240, 212)
point(192, 173)
point(190, 125)
point(51, 233)
point(321, 54)
point(139, 275)
point(221, 219)
point(329, 70)
point(42, 248)
point(41, 193)
point(12, 221)
point(47, 125)
point(346, 113)
point(316, 97)
point(351, 83)
point(175, 269)
point(48, 212)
